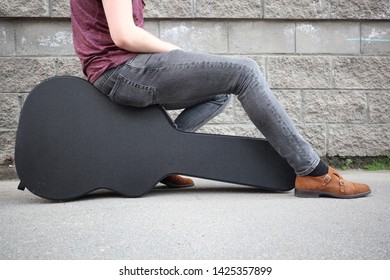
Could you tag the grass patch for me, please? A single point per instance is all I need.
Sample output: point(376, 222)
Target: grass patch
point(367, 163)
point(382, 163)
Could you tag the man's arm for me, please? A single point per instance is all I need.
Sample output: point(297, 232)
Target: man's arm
point(126, 35)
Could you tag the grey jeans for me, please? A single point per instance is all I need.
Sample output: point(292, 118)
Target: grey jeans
point(202, 84)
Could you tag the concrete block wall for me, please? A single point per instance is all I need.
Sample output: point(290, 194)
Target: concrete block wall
point(328, 61)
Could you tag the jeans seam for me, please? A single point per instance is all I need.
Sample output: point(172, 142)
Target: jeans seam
point(196, 64)
point(106, 75)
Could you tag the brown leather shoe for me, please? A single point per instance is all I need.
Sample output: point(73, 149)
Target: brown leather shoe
point(177, 181)
point(332, 184)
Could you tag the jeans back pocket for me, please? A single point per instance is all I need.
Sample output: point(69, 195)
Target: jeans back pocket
point(127, 92)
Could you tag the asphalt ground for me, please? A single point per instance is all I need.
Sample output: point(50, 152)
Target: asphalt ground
point(211, 221)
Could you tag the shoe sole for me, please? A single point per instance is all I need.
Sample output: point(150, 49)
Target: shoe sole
point(173, 186)
point(316, 194)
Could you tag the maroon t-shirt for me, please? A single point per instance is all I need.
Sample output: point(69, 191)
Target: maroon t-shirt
point(92, 40)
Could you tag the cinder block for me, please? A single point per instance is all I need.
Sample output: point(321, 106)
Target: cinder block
point(261, 37)
point(153, 27)
point(7, 145)
point(44, 38)
point(8, 172)
point(376, 38)
point(291, 100)
point(24, 8)
point(360, 9)
point(9, 111)
point(60, 8)
point(69, 66)
point(362, 72)
point(196, 36)
point(228, 9)
point(169, 9)
point(328, 37)
point(359, 140)
point(316, 136)
point(296, 9)
point(334, 107)
point(379, 106)
point(7, 38)
point(299, 72)
point(22, 74)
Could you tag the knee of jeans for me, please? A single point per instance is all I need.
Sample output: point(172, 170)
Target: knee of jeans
point(250, 65)
point(251, 72)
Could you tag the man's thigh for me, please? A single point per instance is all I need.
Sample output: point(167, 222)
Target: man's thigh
point(179, 77)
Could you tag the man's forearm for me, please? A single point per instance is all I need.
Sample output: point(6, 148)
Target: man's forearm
point(139, 40)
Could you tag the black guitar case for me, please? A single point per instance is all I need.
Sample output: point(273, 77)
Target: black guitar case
point(72, 140)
